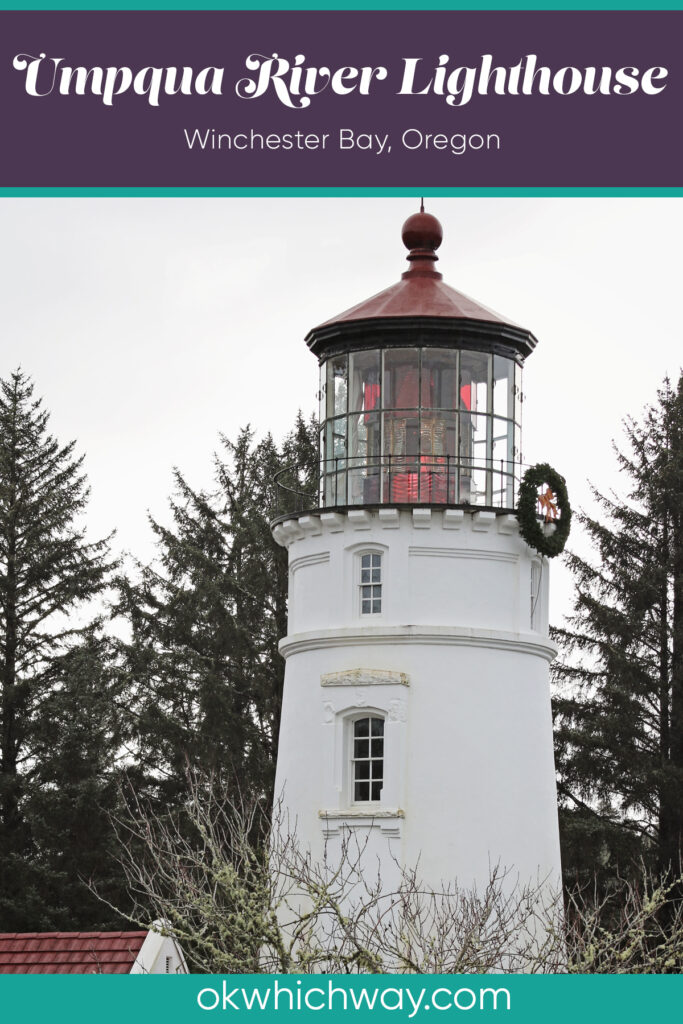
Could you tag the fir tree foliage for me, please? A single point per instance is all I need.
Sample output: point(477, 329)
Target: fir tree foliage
point(205, 621)
point(619, 709)
point(75, 785)
point(49, 572)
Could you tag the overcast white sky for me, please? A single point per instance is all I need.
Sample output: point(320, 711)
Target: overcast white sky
point(151, 325)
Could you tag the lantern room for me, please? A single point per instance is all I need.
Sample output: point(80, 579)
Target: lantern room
point(420, 393)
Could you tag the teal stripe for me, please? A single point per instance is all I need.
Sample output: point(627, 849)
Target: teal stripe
point(344, 5)
point(308, 192)
point(71, 999)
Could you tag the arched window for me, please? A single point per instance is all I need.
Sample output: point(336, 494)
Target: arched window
point(367, 759)
point(370, 565)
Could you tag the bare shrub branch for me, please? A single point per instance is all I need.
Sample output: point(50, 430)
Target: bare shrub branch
point(242, 897)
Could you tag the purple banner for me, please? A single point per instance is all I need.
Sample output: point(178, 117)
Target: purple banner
point(351, 99)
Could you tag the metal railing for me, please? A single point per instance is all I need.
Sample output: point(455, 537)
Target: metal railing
point(397, 479)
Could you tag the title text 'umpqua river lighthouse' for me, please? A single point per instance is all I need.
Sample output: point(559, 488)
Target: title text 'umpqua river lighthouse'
point(416, 701)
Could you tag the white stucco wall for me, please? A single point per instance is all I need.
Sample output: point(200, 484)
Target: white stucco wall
point(453, 666)
point(159, 954)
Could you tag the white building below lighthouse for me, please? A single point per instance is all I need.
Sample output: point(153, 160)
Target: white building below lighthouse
point(416, 712)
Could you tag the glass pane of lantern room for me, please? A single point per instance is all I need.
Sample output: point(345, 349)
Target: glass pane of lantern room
point(364, 458)
point(400, 459)
point(322, 465)
point(438, 379)
point(337, 385)
point(364, 381)
point(322, 395)
point(335, 461)
point(503, 443)
point(474, 378)
point(401, 376)
point(335, 443)
point(503, 387)
point(472, 456)
point(519, 397)
point(517, 453)
point(503, 463)
point(438, 469)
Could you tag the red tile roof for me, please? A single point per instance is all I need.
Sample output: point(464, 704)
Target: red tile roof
point(69, 952)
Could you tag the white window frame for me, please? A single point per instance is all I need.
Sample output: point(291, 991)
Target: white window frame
point(351, 721)
point(375, 580)
point(347, 696)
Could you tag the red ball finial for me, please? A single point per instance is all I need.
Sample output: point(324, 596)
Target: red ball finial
point(422, 231)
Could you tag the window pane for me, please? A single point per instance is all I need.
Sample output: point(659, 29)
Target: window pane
point(323, 467)
point(503, 443)
point(503, 387)
point(473, 439)
point(401, 457)
point(361, 748)
point(364, 438)
point(517, 449)
point(474, 375)
point(401, 437)
point(368, 761)
point(336, 385)
point(335, 488)
point(503, 493)
point(362, 791)
point(370, 583)
point(401, 379)
point(475, 464)
point(335, 442)
point(438, 433)
point(364, 458)
point(364, 392)
point(323, 392)
point(439, 382)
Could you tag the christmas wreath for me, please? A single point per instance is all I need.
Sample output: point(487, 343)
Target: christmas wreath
point(553, 501)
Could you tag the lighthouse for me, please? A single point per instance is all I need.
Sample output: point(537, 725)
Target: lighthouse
point(416, 711)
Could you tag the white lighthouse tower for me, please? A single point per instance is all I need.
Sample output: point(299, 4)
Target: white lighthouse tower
point(416, 700)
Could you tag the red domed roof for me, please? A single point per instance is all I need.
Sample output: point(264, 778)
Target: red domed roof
point(421, 292)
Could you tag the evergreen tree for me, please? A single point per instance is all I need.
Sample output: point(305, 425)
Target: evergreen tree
point(205, 623)
point(48, 570)
point(74, 789)
point(619, 712)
